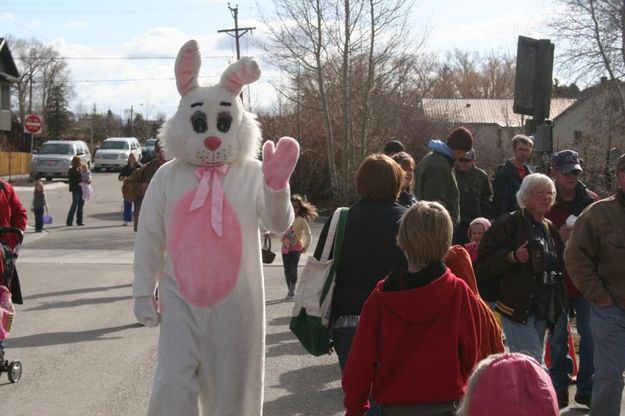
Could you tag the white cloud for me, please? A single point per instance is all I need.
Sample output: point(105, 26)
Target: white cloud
point(7, 17)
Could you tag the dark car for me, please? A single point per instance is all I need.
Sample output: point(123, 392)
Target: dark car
point(148, 150)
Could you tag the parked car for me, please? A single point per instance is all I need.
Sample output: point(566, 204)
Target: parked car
point(148, 150)
point(114, 152)
point(54, 158)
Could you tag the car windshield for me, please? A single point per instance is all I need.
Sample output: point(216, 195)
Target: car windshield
point(115, 145)
point(57, 149)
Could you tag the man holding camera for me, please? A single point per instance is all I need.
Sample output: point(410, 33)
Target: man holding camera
point(523, 250)
point(594, 259)
point(572, 197)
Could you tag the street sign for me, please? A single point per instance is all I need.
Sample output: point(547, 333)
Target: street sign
point(32, 124)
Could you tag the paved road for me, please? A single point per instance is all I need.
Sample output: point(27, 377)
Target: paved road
point(83, 353)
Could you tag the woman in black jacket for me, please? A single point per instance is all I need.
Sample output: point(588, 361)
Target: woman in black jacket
point(73, 174)
point(524, 251)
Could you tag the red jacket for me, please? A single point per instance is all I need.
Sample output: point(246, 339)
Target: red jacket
point(558, 214)
point(413, 346)
point(12, 213)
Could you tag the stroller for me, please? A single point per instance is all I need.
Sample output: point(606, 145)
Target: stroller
point(7, 310)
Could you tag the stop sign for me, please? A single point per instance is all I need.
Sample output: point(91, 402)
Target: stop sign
point(32, 124)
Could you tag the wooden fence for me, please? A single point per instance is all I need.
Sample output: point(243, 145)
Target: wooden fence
point(14, 163)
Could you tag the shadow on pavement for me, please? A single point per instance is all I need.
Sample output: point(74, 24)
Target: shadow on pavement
point(60, 338)
point(78, 302)
point(283, 320)
point(76, 291)
point(309, 395)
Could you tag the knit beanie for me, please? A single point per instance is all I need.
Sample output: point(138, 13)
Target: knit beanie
point(460, 139)
point(510, 384)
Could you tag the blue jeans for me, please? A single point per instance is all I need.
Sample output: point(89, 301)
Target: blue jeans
point(608, 330)
point(561, 362)
point(342, 338)
point(77, 204)
point(127, 217)
point(527, 338)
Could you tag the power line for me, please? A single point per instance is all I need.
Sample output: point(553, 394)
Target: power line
point(129, 58)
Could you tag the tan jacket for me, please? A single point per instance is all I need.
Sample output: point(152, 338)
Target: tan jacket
point(595, 252)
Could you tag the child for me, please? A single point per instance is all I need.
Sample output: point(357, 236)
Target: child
point(511, 384)
point(85, 182)
point(417, 338)
point(477, 228)
point(296, 240)
point(38, 205)
point(406, 196)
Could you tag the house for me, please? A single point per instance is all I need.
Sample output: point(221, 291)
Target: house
point(8, 75)
point(596, 117)
point(492, 122)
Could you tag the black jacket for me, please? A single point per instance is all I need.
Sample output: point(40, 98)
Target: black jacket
point(369, 253)
point(505, 186)
point(73, 175)
point(517, 280)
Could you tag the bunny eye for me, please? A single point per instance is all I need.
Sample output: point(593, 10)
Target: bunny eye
point(198, 121)
point(224, 120)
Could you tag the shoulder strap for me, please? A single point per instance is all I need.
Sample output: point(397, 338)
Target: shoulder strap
point(341, 214)
point(331, 235)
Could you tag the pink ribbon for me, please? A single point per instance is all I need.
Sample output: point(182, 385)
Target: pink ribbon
point(210, 178)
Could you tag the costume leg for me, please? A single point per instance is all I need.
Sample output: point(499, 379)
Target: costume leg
point(232, 359)
point(176, 384)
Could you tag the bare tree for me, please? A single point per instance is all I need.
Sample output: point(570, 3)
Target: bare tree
point(592, 36)
point(341, 57)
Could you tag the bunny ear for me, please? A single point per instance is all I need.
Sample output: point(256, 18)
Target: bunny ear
point(187, 67)
point(244, 71)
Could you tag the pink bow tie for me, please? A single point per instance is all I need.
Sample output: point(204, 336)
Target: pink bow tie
point(210, 179)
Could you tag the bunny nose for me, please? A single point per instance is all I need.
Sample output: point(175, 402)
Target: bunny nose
point(212, 143)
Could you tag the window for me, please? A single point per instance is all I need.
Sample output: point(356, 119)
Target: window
point(5, 96)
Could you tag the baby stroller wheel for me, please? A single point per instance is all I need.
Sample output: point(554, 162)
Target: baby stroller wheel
point(15, 371)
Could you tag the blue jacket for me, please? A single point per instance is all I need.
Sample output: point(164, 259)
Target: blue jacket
point(505, 187)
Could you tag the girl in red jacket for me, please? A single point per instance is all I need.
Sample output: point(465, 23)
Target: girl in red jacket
point(418, 336)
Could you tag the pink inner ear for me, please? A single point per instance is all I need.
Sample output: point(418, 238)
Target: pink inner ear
point(187, 67)
point(206, 266)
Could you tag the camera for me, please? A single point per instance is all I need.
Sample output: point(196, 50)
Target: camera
point(536, 250)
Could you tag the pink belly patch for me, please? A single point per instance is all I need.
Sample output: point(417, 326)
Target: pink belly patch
point(206, 265)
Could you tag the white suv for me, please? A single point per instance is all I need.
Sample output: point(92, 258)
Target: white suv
point(114, 152)
point(54, 158)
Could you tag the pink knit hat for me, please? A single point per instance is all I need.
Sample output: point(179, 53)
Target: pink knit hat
point(479, 220)
point(510, 384)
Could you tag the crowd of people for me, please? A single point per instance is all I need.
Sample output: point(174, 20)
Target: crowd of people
point(410, 322)
point(439, 269)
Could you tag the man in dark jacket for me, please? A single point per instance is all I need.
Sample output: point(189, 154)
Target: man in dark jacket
point(475, 194)
point(434, 177)
point(571, 199)
point(509, 176)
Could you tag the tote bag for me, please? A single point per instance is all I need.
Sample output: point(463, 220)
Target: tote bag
point(310, 320)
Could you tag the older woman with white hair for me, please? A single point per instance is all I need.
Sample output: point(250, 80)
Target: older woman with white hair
point(523, 250)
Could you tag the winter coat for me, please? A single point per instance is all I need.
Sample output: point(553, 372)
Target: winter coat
point(475, 194)
point(435, 181)
point(12, 214)
point(505, 186)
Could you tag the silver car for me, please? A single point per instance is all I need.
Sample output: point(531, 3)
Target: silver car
point(55, 158)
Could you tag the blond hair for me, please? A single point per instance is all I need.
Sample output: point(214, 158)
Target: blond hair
point(425, 233)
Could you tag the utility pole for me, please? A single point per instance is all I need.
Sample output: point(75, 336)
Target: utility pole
point(238, 32)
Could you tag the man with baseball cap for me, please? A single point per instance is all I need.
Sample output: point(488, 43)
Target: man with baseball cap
point(594, 259)
point(572, 197)
point(434, 177)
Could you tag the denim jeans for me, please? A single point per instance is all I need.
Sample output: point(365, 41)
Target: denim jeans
point(608, 330)
point(527, 338)
point(127, 217)
point(38, 219)
point(561, 362)
point(342, 338)
point(77, 204)
point(290, 262)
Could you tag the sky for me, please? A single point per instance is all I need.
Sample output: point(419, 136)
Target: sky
point(106, 41)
